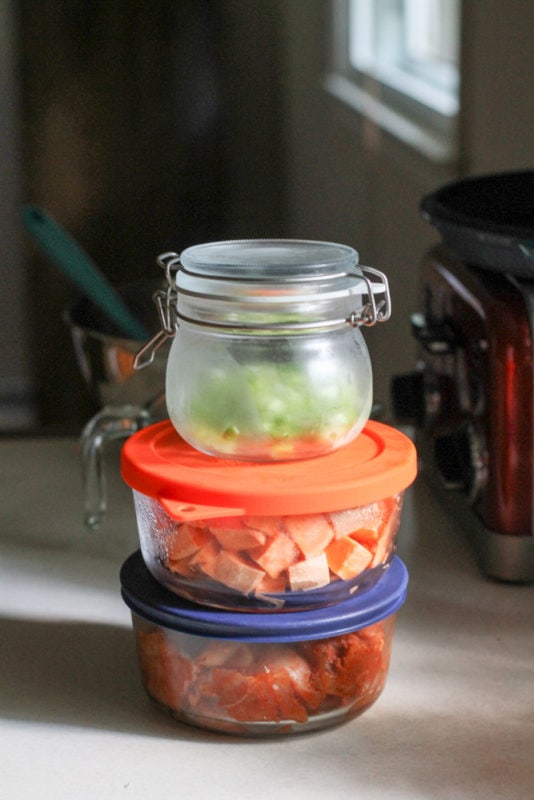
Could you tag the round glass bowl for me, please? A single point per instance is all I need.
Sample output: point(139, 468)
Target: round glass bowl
point(268, 537)
point(262, 674)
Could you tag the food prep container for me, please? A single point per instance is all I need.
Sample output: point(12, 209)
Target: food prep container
point(277, 536)
point(268, 362)
point(262, 674)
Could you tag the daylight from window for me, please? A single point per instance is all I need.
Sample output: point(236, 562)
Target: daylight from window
point(409, 45)
point(397, 62)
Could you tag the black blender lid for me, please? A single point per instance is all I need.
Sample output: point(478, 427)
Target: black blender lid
point(487, 220)
point(502, 203)
point(149, 599)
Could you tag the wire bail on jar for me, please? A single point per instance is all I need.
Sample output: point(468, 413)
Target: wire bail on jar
point(371, 312)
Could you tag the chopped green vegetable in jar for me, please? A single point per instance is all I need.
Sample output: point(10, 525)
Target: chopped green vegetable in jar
point(277, 405)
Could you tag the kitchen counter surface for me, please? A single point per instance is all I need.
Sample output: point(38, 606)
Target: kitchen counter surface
point(456, 719)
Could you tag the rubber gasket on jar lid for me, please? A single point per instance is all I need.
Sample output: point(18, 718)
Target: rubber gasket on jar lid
point(156, 461)
point(149, 599)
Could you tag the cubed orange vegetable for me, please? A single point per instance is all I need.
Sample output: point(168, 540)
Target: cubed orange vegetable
point(182, 566)
point(311, 573)
point(238, 538)
point(233, 571)
point(310, 532)
point(269, 585)
point(347, 557)
point(352, 519)
point(388, 530)
point(366, 536)
point(277, 555)
point(185, 541)
point(270, 526)
point(207, 553)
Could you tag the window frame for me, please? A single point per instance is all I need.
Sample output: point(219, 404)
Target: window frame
point(420, 125)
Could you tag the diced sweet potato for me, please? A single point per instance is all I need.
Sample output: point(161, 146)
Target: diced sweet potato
point(310, 532)
point(274, 555)
point(366, 536)
point(277, 556)
point(388, 529)
point(182, 566)
point(352, 519)
point(207, 554)
point(347, 557)
point(185, 541)
point(233, 571)
point(236, 539)
point(270, 526)
point(311, 573)
point(269, 585)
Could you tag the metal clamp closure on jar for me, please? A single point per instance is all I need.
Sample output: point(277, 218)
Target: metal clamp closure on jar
point(374, 290)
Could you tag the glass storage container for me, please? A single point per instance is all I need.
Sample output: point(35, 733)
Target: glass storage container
point(268, 361)
point(271, 536)
point(262, 674)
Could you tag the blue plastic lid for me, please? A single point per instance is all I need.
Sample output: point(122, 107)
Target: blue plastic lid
point(148, 599)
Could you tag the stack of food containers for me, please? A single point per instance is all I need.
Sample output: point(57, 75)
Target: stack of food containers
point(264, 594)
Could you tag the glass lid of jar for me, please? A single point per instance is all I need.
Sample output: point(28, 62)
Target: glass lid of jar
point(269, 271)
point(306, 279)
point(268, 260)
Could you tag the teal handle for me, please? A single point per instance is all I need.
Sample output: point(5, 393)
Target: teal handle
point(81, 270)
point(527, 250)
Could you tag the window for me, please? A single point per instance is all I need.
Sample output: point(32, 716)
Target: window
point(396, 61)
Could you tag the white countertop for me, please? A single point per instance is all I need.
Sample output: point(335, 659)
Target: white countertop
point(456, 719)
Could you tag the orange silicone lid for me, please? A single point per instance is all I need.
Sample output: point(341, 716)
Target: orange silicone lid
point(379, 463)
